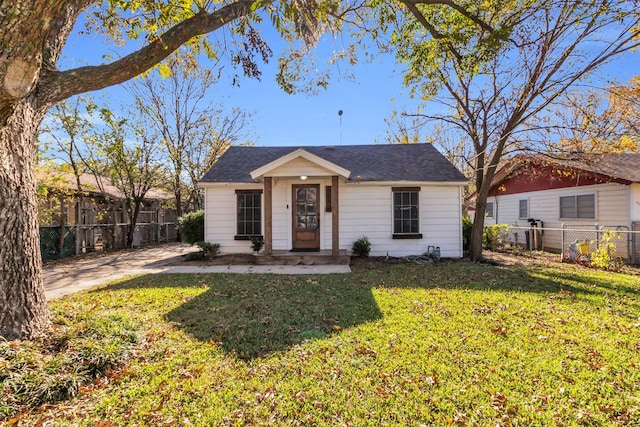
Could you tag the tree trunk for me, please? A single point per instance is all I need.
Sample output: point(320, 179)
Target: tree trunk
point(178, 195)
point(23, 308)
point(133, 221)
point(475, 249)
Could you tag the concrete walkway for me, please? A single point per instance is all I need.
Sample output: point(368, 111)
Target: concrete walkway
point(261, 269)
point(69, 276)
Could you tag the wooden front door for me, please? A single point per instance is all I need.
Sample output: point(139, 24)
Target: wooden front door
point(306, 218)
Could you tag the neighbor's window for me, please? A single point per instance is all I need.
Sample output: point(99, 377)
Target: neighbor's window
point(406, 224)
point(249, 214)
point(523, 209)
point(578, 207)
point(489, 210)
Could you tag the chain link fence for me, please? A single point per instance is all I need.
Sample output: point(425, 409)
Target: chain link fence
point(101, 237)
point(53, 245)
point(578, 241)
point(581, 240)
point(635, 243)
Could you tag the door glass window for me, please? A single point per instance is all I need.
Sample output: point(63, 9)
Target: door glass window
point(306, 208)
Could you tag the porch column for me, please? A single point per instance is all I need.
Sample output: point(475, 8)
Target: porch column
point(335, 223)
point(268, 215)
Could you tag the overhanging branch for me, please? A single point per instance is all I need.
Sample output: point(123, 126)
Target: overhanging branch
point(55, 86)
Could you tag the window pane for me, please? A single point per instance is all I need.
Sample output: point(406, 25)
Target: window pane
point(405, 212)
point(311, 194)
point(568, 207)
point(524, 211)
point(586, 206)
point(489, 210)
point(249, 214)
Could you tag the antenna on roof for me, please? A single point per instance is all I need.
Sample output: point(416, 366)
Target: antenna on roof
point(340, 115)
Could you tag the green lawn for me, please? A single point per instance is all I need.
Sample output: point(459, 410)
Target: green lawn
point(449, 344)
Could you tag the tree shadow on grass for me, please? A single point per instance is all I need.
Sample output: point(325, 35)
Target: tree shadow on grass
point(255, 315)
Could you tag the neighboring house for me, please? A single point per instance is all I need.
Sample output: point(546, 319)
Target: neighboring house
point(96, 212)
point(99, 199)
point(601, 190)
point(403, 198)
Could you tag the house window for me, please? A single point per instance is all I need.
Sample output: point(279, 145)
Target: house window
point(406, 224)
point(489, 210)
point(523, 209)
point(249, 214)
point(578, 207)
point(327, 198)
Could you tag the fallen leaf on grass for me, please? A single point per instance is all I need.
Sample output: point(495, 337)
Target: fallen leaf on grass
point(364, 351)
point(499, 331)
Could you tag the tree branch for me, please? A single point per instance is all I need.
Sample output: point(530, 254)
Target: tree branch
point(461, 10)
point(55, 86)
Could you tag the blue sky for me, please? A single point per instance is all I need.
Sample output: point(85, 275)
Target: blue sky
point(279, 118)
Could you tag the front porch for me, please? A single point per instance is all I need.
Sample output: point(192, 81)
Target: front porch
point(322, 257)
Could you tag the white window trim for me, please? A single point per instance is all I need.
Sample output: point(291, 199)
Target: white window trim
point(595, 206)
point(493, 210)
point(528, 209)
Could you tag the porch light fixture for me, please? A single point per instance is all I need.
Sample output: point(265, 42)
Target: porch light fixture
point(303, 177)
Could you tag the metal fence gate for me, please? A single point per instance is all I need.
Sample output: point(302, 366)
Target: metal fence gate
point(626, 241)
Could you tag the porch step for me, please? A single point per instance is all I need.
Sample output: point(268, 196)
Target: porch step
point(303, 258)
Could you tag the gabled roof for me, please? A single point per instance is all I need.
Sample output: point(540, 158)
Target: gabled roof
point(299, 153)
point(389, 162)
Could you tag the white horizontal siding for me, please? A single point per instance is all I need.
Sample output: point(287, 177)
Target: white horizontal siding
point(612, 208)
point(635, 202)
point(220, 217)
point(368, 211)
point(364, 210)
point(281, 215)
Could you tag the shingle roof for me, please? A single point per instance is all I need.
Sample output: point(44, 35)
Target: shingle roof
point(90, 184)
point(621, 166)
point(389, 162)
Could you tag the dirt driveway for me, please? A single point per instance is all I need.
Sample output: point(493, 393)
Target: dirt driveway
point(71, 275)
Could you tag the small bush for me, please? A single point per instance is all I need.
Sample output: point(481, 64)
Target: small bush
point(209, 249)
point(257, 243)
point(493, 236)
point(191, 227)
point(361, 247)
point(605, 255)
point(467, 226)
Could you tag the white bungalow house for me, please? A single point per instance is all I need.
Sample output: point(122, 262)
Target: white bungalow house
point(596, 191)
point(403, 198)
